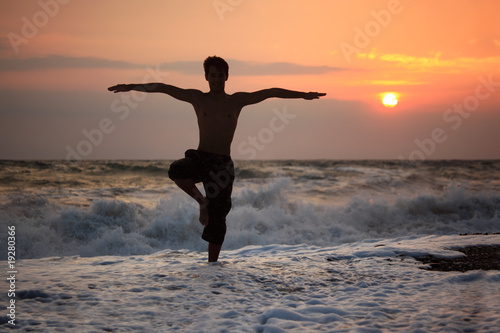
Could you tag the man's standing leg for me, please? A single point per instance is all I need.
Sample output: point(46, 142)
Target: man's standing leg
point(218, 191)
point(213, 252)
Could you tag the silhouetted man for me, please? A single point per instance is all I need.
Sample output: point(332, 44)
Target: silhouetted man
point(217, 114)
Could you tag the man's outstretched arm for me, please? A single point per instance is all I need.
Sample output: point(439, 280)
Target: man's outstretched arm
point(186, 95)
point(259, 96)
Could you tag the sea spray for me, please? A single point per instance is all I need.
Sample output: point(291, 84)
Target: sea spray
point(262, 214)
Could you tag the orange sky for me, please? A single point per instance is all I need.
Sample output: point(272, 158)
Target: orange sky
point(431, 53)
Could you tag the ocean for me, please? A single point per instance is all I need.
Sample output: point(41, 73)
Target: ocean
point(115, 246)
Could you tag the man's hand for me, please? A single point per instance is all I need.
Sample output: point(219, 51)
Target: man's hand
point(121, 88)
point(313, 95)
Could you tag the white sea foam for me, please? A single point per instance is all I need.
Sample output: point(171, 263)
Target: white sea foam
point(262, 214)
point(367, 286)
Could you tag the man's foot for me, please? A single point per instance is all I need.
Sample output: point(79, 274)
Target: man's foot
point(204, 213)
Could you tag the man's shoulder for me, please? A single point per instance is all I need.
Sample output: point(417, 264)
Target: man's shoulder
point(196, 94)
point(239, 95)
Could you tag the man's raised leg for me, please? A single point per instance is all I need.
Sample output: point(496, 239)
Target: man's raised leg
point(189, 186)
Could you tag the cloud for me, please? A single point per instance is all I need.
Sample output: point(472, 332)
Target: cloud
point(390, 83)
point(435, 62)
point(244, 68)
point(57, 61)
point(237, 67)
point(280, 68)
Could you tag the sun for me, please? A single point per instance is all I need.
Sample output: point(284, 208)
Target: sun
point(390, 100)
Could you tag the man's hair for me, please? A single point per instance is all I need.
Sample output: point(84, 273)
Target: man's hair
point(217, 62)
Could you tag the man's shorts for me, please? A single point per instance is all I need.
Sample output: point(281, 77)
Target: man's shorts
point(216, 172)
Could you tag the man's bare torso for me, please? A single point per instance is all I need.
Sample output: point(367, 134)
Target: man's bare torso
point(217, 120)
point(217, 112)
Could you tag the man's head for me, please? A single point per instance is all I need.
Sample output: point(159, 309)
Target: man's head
point(218, 63)
point(216, 72)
